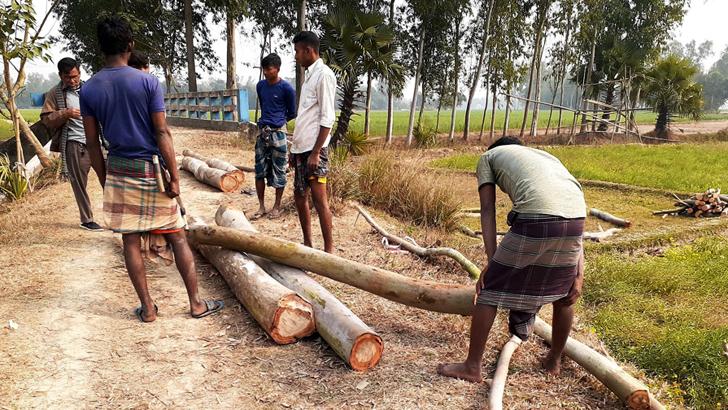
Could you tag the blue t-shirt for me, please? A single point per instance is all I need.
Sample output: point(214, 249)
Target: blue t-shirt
point(123, 99)
point(277, 103)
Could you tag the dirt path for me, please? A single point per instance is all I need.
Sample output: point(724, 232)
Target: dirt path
point(78, 344)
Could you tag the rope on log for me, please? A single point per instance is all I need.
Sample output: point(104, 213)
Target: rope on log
point(498, 385)
point(469, 266)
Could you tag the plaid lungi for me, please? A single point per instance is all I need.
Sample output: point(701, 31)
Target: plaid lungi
point(303, 175)
point(132, 202)
point(270, 157)
point(535, 264)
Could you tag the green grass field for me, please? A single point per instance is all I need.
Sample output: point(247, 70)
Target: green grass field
point(683, 168)
point(401, 120)
point(6, 127)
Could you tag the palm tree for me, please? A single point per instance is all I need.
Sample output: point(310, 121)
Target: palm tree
point(356, 43)
point(672, 90)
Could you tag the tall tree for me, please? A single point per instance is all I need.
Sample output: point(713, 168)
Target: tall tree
point(190, 42)
point(672, 90)
point(231, 11)
point(482, 27)
point(21, 40)
point(539, 30)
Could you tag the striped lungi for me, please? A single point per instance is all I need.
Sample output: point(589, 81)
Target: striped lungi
point(534, 265)
point(132, 201)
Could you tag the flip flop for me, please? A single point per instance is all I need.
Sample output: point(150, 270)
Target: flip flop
point(257, 216)
point(211, 308)
point(138, 311)
point(275, 215)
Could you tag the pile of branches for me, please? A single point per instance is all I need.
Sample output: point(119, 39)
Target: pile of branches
point(707, 204)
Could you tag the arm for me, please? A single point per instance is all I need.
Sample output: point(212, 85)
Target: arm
point(166, 148)
point(326, 91)
point(487, 224)
point(576, 288)
point(290, 103)
point(93, 145)
point(50, 115)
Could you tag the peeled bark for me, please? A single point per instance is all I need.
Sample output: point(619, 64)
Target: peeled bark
point(437, 297)
point(629, 390)
point(498, 385)
point(284, 315)
point(347, 335)
point(236, 172)
point(223, 180)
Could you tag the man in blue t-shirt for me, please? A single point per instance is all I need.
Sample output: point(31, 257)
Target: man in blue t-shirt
point(278, 106)
point(129, 105)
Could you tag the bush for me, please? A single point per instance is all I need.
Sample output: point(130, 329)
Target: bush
point(425, 134)
point(408, 190)
point(342, 180)
point(358, 143)
point(12, 184)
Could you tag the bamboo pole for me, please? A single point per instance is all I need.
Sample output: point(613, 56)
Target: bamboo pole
point(356, 343)
point(498, 385)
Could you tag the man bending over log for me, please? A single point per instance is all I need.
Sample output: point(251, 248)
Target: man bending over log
point(309, 149)
point(539, 261)
point(129, 105)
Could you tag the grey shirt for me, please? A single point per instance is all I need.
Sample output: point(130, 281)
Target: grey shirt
point(75, 125)
point(535, 180)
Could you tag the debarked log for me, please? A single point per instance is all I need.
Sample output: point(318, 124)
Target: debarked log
point(437, 297)
point(629, 390)
point(498, 385)
point(351, 339)
point(218, 178)
point(284, 315)
point(606, 216)
point(217, 163)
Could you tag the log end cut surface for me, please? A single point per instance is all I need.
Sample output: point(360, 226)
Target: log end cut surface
point(293, 320)
point(229, 183)
point(639, 400)
point(366, 352)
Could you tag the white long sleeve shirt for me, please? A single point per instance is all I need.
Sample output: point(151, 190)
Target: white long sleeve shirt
point(315, 108)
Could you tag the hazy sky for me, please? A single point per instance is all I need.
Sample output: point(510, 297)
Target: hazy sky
point(702, 22)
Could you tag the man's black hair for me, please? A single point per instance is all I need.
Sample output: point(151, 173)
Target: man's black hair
point(138, 59)
point(271, 59)
point(308, 38)
point(505, 141)
point(114, 34)
point(66, 65)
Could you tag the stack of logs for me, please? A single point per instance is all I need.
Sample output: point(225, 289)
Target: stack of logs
point(707, 204)
point(212, 171)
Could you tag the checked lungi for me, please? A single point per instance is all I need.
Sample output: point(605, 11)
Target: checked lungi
point(535, 264)
point(271, 157)
point(132, 201)
point(303, 176)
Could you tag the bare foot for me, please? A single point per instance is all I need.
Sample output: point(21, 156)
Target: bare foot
point(551, 365)
point(460, 371)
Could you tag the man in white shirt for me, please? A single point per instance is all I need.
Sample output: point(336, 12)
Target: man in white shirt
point(309, 149)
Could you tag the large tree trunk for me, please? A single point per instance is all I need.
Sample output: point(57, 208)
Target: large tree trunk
point(537, 104)
point(284, 315)
point(190, 42)
point(562, 79)
point(232, 81)
point(223, 180)
point(368, 108)
point(423, 101)
point(485, 112)
point(439, 108)
point(587, 80)
point(493, 112)
point(347, 335)
point(26, 132)
point(453, 115)
point(411, 126)
point(236, 172)
point(300, 71)
point(390, 92)
point(476, 75)
point(508, 116)
point(457, 299)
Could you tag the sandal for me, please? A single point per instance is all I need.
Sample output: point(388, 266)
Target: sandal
point(139, 311)
point(212, 307)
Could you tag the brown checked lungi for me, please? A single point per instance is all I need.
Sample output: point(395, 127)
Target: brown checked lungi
point(535, 264)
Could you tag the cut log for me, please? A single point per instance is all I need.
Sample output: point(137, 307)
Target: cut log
point(284, 315)
point(437, 297)
point(607, 217)
point(351, 339)
point(469, 267)
point(217, 178)
point(629, 390)
point(600, 236)
point(670, 211)
point(216, 163)
point(498, 385)
point(245, 168)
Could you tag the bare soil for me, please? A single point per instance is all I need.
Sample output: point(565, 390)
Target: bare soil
point(79, 345)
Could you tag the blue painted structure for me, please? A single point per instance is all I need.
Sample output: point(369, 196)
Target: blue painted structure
point(207, 106)
point(37, 99)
